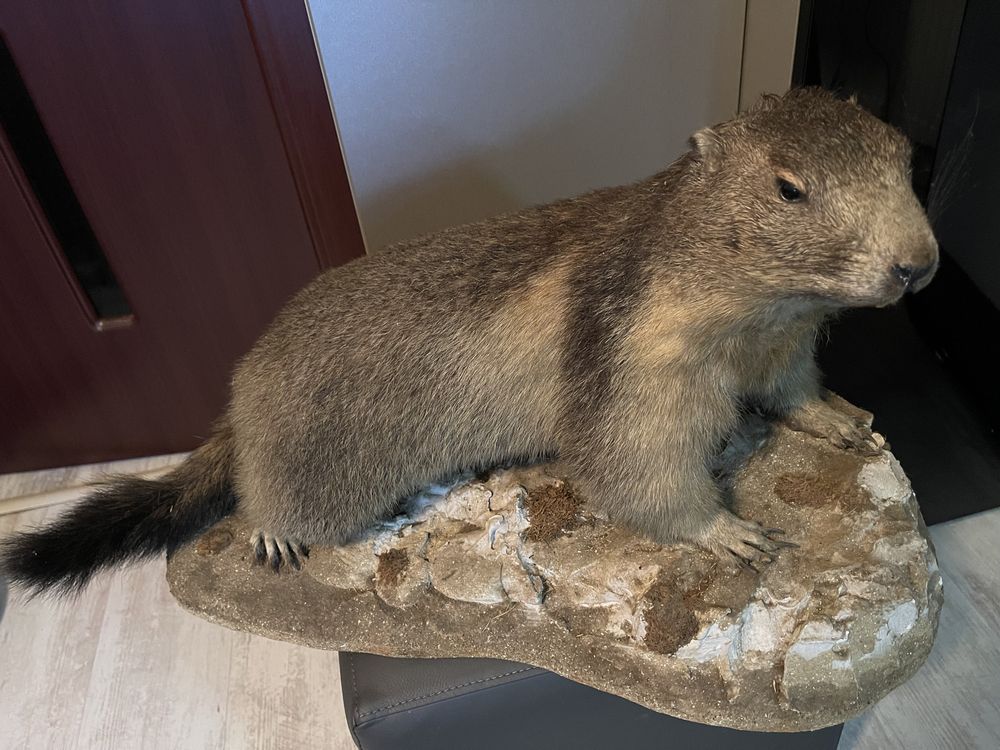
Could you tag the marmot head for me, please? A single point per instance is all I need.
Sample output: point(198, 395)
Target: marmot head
point(815, 201)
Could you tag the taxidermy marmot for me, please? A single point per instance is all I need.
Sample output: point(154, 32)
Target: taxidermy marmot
point(622, 331)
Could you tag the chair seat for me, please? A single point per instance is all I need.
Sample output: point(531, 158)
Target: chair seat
point(419, 704)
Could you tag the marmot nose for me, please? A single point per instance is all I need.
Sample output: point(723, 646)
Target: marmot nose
point(909, 276)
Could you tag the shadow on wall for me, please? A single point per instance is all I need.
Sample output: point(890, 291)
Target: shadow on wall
point(457, 193)
point(521, 143)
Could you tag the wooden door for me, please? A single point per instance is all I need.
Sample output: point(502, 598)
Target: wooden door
point(170, 175)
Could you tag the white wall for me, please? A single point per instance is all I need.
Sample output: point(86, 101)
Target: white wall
point(768, 48)
point(453, 110)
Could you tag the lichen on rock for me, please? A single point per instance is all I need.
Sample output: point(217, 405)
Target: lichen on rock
point(516, 565)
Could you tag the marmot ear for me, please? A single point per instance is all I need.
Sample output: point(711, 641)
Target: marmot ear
point(766, 102)
point(708, 147)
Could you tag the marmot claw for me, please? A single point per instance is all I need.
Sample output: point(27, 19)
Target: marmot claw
point(819, 419)
point(275, 550)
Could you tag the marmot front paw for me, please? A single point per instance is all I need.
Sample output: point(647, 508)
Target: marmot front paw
point(746, 543)
point(275, 550)
point(845, 430)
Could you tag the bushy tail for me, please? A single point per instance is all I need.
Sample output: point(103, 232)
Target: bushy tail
point(126, 518)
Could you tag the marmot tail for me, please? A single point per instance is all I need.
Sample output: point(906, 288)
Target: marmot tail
point(124, 519)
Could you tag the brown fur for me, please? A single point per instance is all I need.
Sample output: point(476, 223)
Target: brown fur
point(622, 330)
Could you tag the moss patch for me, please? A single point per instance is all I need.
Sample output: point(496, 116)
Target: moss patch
point(213, 542)
point(391, 566)
point(674, 602)
point(552, 510)
point(670, 623)
point(835, 482)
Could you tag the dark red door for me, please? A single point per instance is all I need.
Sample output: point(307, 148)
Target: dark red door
point(181, 131)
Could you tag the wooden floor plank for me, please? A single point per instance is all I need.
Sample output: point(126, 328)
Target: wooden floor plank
point(285, 696)
point(123, 666)
point(47, 651)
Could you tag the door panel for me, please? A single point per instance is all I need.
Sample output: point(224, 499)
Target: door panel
point(163, 124)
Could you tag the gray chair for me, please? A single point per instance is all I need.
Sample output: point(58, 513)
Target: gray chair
point(419, 704)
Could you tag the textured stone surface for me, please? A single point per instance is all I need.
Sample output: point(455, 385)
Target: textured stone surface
point(517, 567)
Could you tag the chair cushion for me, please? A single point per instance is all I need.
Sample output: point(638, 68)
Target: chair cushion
point(419, 704)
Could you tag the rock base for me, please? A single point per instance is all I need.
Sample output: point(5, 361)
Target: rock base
point(518, 567)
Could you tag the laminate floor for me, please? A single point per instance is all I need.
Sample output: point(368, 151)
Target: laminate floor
point(123, 666)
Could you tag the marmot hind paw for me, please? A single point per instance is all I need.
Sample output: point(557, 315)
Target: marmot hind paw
point(275, 550)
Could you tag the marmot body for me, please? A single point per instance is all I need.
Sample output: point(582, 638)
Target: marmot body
point(623, 331)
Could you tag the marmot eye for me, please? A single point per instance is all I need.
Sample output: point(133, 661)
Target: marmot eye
point(788, 192)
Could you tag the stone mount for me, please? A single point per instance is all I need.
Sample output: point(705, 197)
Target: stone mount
point(517, 567)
